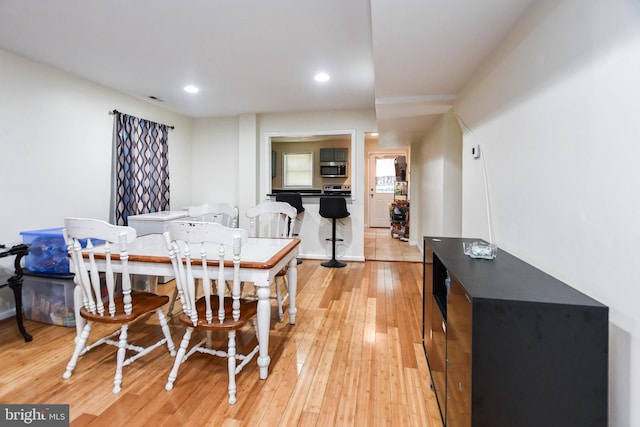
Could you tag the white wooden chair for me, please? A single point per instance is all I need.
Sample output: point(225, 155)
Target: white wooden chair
point(274, 219)
point(222, 213)
point(295, 200)
point(190, 245)
point(114, 307)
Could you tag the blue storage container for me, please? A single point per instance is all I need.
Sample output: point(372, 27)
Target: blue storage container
point(47, 251)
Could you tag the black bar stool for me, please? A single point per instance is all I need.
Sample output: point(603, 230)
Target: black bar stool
point(334, 208)
point(295, 200)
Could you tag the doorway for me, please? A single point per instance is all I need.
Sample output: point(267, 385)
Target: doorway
point(381, 183)
point(380, 180)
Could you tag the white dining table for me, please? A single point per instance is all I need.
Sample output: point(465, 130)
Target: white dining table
point(261, 259)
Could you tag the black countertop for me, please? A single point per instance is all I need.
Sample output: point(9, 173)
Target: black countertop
point(505, 277)
point(310, 192)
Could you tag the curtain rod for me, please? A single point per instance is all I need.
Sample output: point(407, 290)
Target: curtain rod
point(118, 112)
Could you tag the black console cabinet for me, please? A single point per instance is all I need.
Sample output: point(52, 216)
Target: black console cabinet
point(509, 345)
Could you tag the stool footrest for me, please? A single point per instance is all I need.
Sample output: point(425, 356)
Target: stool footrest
point(334, 240)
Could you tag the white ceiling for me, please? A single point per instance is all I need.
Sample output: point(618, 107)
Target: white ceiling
point(408, 58)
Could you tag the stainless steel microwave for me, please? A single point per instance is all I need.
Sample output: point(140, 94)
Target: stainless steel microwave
point(333, 169)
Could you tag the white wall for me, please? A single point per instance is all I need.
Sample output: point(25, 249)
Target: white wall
point(436, 180)
point(248, 166)
point(54, 126)
point(451, 137)
point(555, 112)
point(215, 161)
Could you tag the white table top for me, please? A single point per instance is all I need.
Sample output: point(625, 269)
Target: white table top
point(260, 253)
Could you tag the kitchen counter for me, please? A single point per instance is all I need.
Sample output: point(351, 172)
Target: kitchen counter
point(313, 229)
point(311, 192)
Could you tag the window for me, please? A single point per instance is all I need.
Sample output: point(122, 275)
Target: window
point(297, 169)
point(385, 175)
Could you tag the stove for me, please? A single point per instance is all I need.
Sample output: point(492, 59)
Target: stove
point(337, 189)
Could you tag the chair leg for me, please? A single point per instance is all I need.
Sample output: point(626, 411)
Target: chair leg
point(179, 358)
point(166, 331)
point(174, 297)
point(231, 359)
point(81, 342)
point(122, 352)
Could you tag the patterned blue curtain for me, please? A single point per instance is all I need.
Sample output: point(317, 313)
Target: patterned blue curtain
point(141, 167)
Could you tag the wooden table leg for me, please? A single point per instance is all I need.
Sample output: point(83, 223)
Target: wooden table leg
point(292, 281)
point(264, 324)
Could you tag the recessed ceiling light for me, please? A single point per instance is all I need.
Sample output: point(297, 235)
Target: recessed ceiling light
point(322, 77)
point(191, 89)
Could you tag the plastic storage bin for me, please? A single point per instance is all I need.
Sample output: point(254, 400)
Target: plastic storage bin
point(49, 299)
point(47, 251)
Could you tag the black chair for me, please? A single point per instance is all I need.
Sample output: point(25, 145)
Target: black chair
point(295, 200)
point(334, 208)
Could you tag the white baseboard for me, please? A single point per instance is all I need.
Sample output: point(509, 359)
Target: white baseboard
point(7, 313)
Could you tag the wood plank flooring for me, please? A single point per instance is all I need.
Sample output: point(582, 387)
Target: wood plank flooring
point(380, 246)
point(354, 358)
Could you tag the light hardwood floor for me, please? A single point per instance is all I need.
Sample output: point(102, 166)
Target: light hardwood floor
point(380, 246)
point(354, 358)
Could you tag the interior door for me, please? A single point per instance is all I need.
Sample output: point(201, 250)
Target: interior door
point(382, 178)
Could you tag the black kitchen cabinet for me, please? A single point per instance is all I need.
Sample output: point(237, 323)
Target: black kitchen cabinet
point(520, 347)
point(334, 154)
